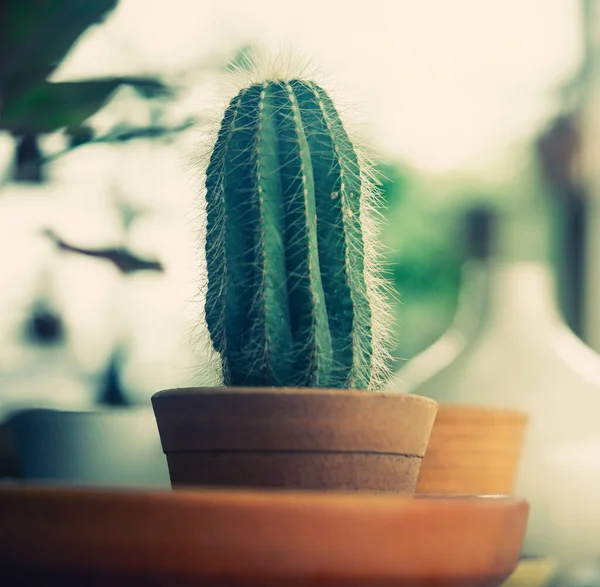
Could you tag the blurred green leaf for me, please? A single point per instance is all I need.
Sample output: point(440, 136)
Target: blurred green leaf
point(36, 35)
point(394, 183)
point(51, 106)
point(147, 87)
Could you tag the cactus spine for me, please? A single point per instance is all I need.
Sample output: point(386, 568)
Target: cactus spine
point(288, 300)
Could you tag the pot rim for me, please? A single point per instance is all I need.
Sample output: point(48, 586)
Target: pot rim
point(475, 411)
point(293, 419)
point(300, 391)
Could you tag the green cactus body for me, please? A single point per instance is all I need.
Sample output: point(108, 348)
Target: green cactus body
point(287, 301)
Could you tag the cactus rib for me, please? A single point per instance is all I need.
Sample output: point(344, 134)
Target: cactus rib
point(341, 247)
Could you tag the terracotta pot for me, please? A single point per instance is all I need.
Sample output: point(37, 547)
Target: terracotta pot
point(294, 438)
point(473, 451)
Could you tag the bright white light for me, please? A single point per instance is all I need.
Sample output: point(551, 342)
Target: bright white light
point(440, 82)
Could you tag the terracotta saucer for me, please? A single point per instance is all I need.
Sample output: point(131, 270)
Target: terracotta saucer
point(183, 538)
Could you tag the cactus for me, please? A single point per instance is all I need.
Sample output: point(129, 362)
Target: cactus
point(291, 297)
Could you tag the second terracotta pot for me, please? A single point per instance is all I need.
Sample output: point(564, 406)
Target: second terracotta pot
point(294, 438)
point(473, 451)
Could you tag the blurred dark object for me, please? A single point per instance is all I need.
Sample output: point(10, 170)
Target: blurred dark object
point(558, 150)
point(125, 261)
point(44, 327)
point(9, 463)
point(559, 147)
point(112, 392)
point(28, 163)
point(480, 232)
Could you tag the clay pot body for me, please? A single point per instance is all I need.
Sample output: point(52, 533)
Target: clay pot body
point(294, 438)
point(473, 451)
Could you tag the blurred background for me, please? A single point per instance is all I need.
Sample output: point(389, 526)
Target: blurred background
point(101, 115)
point(466, 105)
point(484, 118)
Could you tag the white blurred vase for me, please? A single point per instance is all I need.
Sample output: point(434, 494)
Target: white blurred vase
point(510, 348)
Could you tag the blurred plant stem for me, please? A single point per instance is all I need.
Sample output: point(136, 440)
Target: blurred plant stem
point(125, 261)
point(124, 135)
